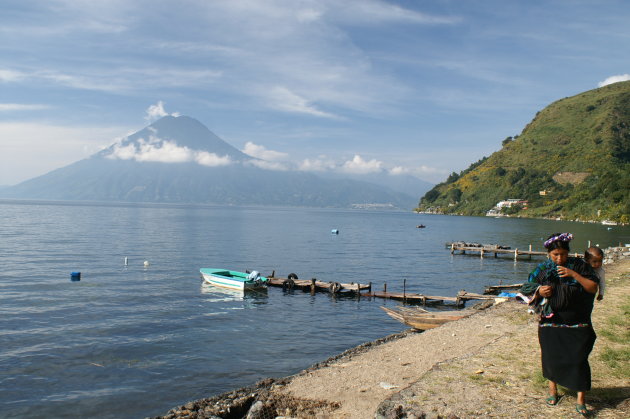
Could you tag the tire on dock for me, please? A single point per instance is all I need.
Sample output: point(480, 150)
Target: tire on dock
point(334, 287)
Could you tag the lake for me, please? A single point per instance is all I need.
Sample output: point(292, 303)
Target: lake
point(133, 341)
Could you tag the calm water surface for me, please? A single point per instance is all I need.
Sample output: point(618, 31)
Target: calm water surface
point(130, 341)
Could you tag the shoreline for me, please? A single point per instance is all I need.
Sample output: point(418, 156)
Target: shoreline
point(493, 350)
point(550, 218)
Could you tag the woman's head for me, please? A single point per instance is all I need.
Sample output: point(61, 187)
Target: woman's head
point(594, 256)
point(557, 246)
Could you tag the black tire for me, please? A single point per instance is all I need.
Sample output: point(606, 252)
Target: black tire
point(288, 284)
point(292, 276)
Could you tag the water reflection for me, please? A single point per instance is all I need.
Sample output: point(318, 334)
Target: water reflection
point(219, 294)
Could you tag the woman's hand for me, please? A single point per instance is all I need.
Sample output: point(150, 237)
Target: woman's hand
point(565, 272)
point(545, 291)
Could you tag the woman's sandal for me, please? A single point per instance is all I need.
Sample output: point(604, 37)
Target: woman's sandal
point(582, 410)
point(553, 400)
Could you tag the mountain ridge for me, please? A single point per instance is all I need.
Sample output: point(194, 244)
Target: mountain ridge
point(572, 161)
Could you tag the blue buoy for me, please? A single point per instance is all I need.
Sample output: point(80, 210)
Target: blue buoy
point(334, 231)
point(75, 276)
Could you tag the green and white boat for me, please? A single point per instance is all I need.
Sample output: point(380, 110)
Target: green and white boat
point(233, 279)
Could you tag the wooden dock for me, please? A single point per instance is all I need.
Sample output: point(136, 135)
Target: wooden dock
point(314, 285)
point(365, 290)
point(459, 300)
point(496, 250)
point(495, 289)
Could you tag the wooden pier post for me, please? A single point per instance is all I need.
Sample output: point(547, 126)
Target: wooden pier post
point(370, 286)
point(404, 290)
point(313, 287)
point(481, 253)
point(358, 290)
point(452, 248)
point(530, 251)
point(385, 287)
point(515, 253)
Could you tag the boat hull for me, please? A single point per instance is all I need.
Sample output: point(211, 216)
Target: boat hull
point(232, 279)
point(423, 320)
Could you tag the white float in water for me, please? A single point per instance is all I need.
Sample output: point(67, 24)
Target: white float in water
point(334, 231)
point(146, 263)
point(126, 261)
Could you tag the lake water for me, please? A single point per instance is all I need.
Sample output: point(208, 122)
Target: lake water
point(131, 342)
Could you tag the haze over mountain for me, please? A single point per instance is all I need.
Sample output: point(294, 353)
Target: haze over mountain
point(178, 160)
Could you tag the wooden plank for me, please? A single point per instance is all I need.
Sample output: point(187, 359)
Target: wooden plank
point(305, 284)
point(407, 296)
point(496, 288)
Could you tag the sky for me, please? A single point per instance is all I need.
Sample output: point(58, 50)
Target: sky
point(399, 87)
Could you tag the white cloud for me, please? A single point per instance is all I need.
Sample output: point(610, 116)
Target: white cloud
point(21, 107)
point(321, 164)
point(308, 15)
point(164, 151)
point(283, 99)
point(359, 166)
point(376, 12)
point(399, 170)
point(414, 171)
point(261, 152)
point(11, 75)
point(614, 79)
point(269, 165)
point(157, 111)
point(211, 159)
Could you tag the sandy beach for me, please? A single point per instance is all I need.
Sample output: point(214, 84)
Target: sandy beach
point(485, 365)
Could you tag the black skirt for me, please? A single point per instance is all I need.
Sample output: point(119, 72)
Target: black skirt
point(564, 353)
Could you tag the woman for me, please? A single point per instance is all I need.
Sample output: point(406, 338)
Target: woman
point(564, 289)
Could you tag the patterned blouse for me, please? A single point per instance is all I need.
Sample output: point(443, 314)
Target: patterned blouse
point(570, 303)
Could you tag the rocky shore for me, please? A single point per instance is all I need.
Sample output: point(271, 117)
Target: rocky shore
point(485, 365)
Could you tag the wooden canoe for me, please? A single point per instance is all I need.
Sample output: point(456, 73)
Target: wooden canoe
point(421, 319)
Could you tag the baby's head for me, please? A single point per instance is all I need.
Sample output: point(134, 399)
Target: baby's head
point(594, 256)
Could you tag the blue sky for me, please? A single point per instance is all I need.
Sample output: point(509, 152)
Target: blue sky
point(416, 87)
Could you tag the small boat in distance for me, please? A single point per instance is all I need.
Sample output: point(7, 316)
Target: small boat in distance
point(420, 226)
point(233, 279)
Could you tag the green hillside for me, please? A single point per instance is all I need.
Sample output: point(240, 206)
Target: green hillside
point(571, 161)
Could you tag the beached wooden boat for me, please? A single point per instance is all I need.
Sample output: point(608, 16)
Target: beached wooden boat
point(233, 279)
point(421, 319)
